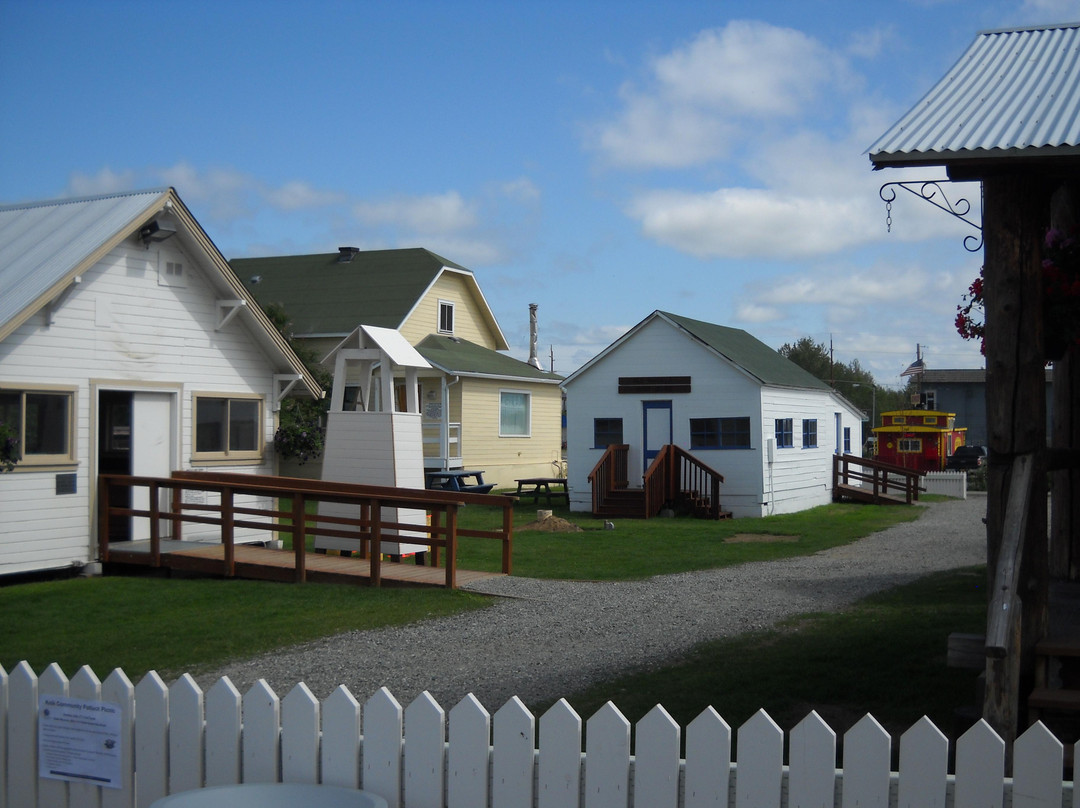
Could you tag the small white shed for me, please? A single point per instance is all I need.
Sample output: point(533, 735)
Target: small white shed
point(127, 345)
point(769, 427)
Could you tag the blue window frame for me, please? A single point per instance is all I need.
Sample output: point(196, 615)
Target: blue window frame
point(785, 438)
point(607, 431)
point(809, 433)
point(847, 440)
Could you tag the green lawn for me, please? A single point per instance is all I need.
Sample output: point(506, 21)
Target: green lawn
point(639, 548)
point(176, 625)
point(885, 655)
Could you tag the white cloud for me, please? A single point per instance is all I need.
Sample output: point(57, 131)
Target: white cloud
point(702, 98)
point(746, 222)
point(299, 196)
point(105, 181)
point(435, 213)
point(750, 312)
point(748, 68)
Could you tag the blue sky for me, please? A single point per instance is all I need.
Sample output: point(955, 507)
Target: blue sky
point(600, 159)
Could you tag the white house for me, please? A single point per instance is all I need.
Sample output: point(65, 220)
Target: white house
point(738, 406)
point(127, 345)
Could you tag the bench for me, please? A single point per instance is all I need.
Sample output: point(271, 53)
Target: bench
point(458, 481)
point(536, 487)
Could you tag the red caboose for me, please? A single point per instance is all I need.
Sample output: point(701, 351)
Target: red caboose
point(921, 440)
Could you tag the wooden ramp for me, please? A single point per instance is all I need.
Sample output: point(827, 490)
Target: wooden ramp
point(865, 480)
point(854, 492)
point(262, 564)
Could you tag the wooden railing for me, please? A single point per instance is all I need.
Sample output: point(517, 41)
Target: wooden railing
point(609, 474)
point(675, 476)
point(850, 471)
point(368, 529)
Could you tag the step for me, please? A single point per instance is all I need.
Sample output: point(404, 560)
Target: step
point(1045, 698)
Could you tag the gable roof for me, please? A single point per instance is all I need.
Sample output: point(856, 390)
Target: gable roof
point(753, 356)
point(327, 296)
point(1013, 94)
point(46, 246)
point(459, 357)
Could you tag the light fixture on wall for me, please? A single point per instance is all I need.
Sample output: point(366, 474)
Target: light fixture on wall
point(157, 230)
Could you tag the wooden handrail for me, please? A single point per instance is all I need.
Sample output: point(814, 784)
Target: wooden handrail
point(609, 474)
point(880, 476)
point(1003, 613)
point(673, 474)
point(368, 528)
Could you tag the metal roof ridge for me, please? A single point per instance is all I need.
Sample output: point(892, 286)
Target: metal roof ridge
point(75, 200)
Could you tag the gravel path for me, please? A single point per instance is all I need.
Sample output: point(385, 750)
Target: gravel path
point(546, 639)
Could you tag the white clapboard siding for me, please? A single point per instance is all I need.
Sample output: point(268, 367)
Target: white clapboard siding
point(120, 328)
point(175, 738)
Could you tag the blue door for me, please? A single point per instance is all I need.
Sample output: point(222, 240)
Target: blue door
point(657, 425)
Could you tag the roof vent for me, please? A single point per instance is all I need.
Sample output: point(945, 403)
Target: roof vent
point(347, 254)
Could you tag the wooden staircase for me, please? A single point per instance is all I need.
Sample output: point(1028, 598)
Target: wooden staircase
point(1055, 697)
point(675, 479)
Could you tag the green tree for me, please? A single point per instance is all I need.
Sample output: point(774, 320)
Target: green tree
point(301, 432)
point(850, 379)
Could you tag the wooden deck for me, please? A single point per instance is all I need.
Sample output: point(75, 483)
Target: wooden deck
point(263, 564)
point(865, 480)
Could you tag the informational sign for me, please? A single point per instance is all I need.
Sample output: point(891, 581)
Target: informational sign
point(79, 740)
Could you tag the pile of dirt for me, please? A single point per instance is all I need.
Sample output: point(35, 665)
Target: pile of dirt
point(553, 524)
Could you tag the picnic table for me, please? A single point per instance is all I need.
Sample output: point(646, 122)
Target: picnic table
point(536, 487)
point(470, 481)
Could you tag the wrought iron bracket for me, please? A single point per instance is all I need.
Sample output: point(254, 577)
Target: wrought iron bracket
point(931, 191)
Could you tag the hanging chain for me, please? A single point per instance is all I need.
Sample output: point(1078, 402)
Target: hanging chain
point(888, 216)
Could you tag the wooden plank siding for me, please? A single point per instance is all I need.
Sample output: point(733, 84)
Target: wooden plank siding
point(798, 478)
point(469, 323)
point(120, 328)
point(507, 458)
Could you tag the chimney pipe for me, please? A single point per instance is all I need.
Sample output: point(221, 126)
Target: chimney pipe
point(533, 358)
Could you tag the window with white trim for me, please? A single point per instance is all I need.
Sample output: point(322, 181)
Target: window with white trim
point(515, 414)
point(446, 317)
point(909, 445)
point(42, 421)
point(228, 427)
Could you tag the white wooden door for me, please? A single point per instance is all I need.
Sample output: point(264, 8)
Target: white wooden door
point(151, 451)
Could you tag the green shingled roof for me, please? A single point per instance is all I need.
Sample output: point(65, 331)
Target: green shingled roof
point(749, 353)
point(459, 356)
point(326, 296)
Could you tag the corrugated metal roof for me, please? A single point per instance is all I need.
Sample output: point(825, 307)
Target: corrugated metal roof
point(1014, 92)
point(41, 243)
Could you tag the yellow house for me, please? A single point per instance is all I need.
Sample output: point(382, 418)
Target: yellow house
point(482, 409)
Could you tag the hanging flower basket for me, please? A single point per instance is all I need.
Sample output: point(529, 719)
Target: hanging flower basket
point(1061, 297)
point(9, 447)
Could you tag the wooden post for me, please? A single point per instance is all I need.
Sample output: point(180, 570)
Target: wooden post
point(1015, 215)
point(299, 536)
point(508, 542)
point(227, 530)
point(155, 530)
point(103, 518)
point(451, 546)
point(376, 543)
point(177, 504)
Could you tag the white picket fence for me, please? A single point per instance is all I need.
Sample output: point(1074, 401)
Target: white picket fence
point(175, 738)
point(947, 483)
